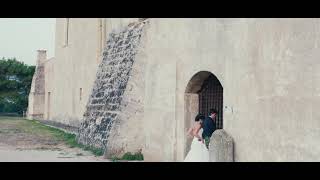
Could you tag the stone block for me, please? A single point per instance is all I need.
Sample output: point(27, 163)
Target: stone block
point(221, 147)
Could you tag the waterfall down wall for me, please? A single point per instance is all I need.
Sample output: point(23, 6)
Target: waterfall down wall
point(112, 77)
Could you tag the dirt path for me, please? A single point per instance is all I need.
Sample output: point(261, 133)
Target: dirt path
point(21, 140)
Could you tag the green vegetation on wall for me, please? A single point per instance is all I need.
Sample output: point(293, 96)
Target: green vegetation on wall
point(138, 156)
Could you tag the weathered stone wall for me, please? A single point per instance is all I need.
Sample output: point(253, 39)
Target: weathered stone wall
point(77, 56)
point(49, 79)
point(111, 82)
point(221, 147)
point(269, 71)
point(127, 133)
point(36, 96)
point(78, 53)
point(268, 68)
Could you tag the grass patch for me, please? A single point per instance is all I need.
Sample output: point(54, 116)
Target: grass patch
point(68, 138)
point(36, 128)
point(129, 157)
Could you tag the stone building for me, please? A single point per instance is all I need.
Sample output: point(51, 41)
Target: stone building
point(136, 84)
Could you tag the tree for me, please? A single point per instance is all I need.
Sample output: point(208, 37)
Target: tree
point(15, 83)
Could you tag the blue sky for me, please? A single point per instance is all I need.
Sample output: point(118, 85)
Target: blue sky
point(22, 37)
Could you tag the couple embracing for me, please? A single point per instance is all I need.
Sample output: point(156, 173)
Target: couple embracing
point(201, 132)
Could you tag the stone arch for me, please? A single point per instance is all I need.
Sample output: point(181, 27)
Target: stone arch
point(203, 91)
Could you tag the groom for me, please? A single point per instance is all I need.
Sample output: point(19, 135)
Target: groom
point(209, 126)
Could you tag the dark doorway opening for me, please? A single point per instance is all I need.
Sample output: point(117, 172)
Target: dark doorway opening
point(211, 96)
point(203, 92)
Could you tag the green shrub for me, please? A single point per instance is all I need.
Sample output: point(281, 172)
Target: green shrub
point(132, 157)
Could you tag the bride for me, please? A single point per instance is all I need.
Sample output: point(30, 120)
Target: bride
point(198, 151)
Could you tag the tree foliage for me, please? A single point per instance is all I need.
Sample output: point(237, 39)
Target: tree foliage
point(15, 83)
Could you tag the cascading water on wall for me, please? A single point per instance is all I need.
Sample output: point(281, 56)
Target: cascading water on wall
point(112, 76)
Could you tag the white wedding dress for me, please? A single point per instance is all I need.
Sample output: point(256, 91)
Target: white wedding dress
point(198, 151)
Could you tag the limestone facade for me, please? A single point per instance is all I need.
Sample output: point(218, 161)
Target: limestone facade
point(37, 91)
point(268, 68)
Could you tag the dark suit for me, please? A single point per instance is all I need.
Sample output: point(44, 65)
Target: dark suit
point(209, 126)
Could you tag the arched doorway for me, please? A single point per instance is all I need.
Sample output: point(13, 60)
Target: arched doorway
point(203, 92)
